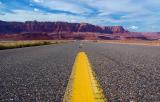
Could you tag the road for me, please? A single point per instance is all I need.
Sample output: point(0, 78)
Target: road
point(40, 74)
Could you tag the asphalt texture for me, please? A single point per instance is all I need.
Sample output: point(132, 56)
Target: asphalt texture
point(127, 73)
point(36, 74)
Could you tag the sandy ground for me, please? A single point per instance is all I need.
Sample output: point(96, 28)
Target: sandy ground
point(135, 42)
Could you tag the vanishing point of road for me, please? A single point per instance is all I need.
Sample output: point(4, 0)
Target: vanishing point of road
point(127, 73)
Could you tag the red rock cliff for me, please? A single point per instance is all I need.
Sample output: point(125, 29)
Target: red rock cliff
point(48, 27)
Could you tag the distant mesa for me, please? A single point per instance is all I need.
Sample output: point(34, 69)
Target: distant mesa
point(31, 30)
point(48, 27)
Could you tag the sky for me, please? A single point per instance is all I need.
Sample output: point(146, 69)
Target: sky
point(134, 15)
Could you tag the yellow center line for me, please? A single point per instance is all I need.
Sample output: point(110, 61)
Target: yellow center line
point(83, 86)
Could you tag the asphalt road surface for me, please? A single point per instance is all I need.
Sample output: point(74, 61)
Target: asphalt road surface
point(127, 73)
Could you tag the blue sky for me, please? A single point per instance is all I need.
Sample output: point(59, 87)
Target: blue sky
point(135, 15)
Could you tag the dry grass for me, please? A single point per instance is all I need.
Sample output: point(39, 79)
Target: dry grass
point(20, 44)
point(137, 42)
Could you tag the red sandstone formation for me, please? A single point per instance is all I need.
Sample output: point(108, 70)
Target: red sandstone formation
point(33, 30)
point(34, 26)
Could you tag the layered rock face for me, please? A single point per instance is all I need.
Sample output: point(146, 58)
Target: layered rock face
point(48, 27)
point(33, 30)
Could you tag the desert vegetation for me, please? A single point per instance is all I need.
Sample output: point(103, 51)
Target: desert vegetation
point(21, 44)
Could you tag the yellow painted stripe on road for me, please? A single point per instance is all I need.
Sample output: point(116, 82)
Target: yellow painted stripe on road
point(83, 86)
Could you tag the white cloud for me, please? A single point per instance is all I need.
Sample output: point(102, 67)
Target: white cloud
point(64, 6)
point(22, 15)
point(114, 5)
point(73, 21)
point(36, 10)
point(38, 1)
point(133, 27)
point(104, 13)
